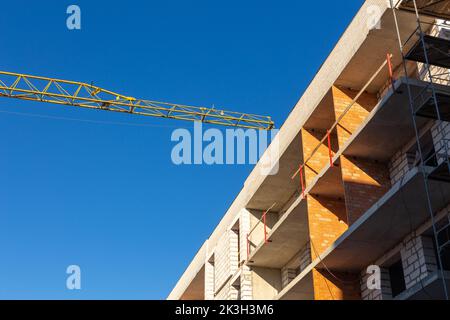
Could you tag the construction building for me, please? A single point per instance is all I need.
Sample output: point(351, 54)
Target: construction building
point(363, 186)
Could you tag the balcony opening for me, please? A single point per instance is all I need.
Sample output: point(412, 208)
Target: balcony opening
point(397, 278)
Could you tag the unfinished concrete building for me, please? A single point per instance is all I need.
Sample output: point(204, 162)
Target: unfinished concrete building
point(363, 182)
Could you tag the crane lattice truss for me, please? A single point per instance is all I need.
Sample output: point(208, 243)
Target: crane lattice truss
point(78, 94)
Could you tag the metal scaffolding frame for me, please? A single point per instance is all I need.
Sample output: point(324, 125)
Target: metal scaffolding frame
point(428, 52)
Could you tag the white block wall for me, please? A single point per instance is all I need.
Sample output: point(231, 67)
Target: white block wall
point(287, 275)
point(418, 259)
point(305, 257)
point(226, 262)
point(441, 138)
point(296, 266)
point(399, 165)
point(209, 280)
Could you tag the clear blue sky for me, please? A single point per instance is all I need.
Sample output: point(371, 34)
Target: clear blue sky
point(106, 196)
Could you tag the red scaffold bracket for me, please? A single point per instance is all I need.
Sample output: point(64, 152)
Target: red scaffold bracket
point(330, 152)
point(265, 227)
point(302, 183)
point(391, 71)
point(248, 246)
point(266, 239)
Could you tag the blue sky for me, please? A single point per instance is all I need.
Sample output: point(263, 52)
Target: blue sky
point(100, 191)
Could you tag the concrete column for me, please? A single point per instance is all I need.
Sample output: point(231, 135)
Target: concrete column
point(246, 274)
point(209, 279)
point(233, 251)
point(244, 230)
point(246, 283)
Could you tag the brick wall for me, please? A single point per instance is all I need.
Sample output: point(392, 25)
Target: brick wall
point(335, 286)
point(246, 283)
point(440, 132)
point(399, 165)
point(222, 295)
point(418, 259)
point(326, 220)
point(233, 293)
point(225, 262)
point(357, 113)
point(320, 159)
point(222, 263)
point(365, 182)
point(234, 251)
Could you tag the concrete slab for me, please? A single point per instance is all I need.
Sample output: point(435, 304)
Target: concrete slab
point(431, 288)
point(288, 236)
point(192, 284)
point(279, 188)
point(389, 125)
point(434, 8)
point(301, 290)
point(196, 289)
point(378, 43)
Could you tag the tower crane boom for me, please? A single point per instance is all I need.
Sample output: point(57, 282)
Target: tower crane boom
point(83, 95)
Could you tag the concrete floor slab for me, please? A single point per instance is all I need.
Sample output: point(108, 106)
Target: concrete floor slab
point(431, 288)
point(389, 125)
point(288, 236)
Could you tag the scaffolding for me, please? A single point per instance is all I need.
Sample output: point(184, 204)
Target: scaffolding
point(433, 53)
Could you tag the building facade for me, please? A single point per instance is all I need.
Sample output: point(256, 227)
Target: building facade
point(360, 205)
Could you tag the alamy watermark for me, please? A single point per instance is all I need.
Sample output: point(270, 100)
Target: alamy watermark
point(73, 281)
point(374, 14)
point(73, 21)
point(374, 279)
point(234, 147)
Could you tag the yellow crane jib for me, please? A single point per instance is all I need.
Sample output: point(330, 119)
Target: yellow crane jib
point(78, 94)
